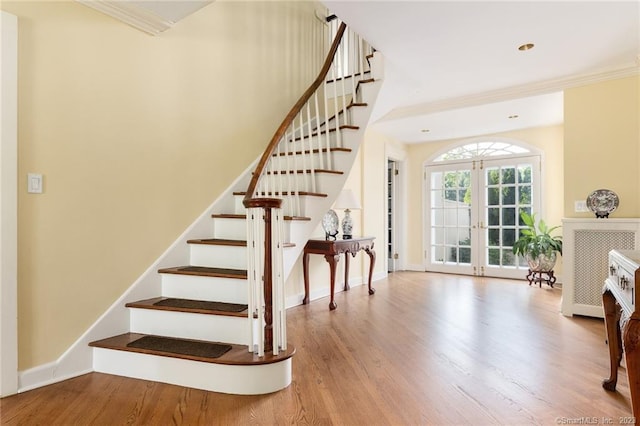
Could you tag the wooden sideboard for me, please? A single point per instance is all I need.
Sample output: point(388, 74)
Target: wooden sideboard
point(622, 321)
point(331, 250)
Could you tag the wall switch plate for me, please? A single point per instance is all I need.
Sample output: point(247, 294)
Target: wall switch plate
point(34, 183)
point(580, 206)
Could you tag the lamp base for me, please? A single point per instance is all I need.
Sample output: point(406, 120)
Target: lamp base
point(347, 225)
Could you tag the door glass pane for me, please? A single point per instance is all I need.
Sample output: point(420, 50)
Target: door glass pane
point(508, 236)
point(509, 195)
point(493, 176)
point(494, 237)
point(493, 196)
point(524, 173)
point(493, 216)
point(493, 259)
point(508, 258)
point(508, 216)
point(508, 175)
point(524, 194)
point(465, 255)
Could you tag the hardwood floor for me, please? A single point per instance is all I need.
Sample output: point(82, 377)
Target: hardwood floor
point(426, 349)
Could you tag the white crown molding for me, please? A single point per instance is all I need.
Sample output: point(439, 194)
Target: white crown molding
point(131, 14)
point(511, 93)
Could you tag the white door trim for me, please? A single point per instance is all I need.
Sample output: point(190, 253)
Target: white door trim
point(9, 206)
point(400, 212)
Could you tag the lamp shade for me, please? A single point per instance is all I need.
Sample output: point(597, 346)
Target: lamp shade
point(347, 200)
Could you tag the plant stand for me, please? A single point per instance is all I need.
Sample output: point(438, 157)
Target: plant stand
point(539, 277)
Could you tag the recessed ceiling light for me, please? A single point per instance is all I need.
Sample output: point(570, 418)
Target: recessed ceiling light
point(527, 46)
point(513, 116)
point(425, 130)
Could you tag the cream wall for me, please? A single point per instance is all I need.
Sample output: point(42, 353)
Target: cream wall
point(135, 136)
point(546, 139)
point(602, 144)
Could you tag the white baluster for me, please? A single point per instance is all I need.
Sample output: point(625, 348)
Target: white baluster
point(327, 134)
point(335, 68)
point(342, 59)
point(312, 169)
point(318, 130)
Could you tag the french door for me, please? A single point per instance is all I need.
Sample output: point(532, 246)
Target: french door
point(473, 214)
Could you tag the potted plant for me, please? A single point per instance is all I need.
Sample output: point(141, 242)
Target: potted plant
point(537, 245)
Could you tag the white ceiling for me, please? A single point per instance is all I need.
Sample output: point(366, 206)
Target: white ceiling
point(454, 68)
point(172, 10)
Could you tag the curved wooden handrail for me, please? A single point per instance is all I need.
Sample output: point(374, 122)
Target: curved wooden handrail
point(248, 200)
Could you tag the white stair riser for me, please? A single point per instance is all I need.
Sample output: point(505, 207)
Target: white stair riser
point(300, 182)
point(314, 142)
point(236, 229)
point(339, 87)
point(322, 160)
point(215, 328)
point(357, 114)
point(211, 289)
point(360, 115)
point(285, 206)
point(230, 229)
point(218, 256)
point(233, 379)
point(369, 91)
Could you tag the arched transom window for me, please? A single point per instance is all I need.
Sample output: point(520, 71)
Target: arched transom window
point(481, 149)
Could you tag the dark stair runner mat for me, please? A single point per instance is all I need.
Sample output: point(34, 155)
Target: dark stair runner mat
point(182, 347)
point(200, 304)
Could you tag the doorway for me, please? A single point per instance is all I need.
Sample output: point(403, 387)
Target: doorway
point(472, 215)
point(392, 216)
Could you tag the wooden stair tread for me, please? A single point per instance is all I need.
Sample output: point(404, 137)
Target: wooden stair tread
point(341, 112)
point(224, 242)
point(307, 193)
point(151, 304)
point(347, 77)
point(218, 242)
point(206, 271)
point(314, 151)
point(280, 172)
point(244, 216)
point(324, 132)
point(238, 355)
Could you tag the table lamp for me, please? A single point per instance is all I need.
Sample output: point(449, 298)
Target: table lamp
point(347, 201)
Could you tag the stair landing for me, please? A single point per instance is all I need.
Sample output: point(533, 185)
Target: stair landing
point(238, 355)
point(237, 371)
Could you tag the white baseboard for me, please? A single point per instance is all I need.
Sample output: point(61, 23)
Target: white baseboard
point(415, 267)
point(44, 375)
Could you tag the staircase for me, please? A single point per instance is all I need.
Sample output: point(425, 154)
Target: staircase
point(223, 298)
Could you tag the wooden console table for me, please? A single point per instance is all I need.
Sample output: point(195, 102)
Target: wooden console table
point(332, 249)
point(622, 321)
